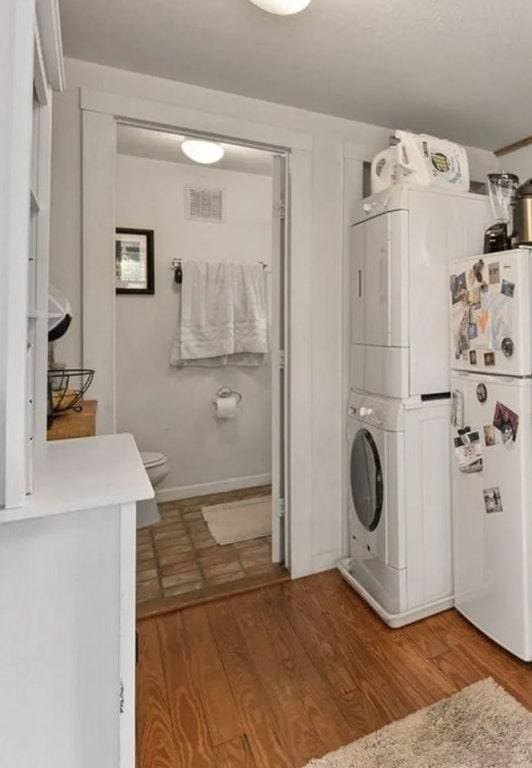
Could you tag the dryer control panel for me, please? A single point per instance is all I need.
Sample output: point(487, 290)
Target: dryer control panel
point(383, 412)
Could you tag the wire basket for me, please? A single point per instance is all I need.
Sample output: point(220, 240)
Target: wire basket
point(66, 388)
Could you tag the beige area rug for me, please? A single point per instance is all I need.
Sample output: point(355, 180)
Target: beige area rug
point(239, 520)
point(479, 727)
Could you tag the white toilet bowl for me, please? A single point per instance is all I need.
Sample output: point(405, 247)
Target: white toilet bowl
point(156, 465)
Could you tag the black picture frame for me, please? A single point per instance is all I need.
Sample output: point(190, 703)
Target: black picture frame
point(140, 241)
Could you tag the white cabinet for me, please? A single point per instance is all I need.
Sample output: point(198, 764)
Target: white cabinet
point(67, 602)
point(32, 66)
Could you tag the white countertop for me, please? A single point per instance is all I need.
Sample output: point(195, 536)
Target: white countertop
point(84, 473)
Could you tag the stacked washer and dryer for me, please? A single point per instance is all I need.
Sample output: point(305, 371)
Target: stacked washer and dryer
point(398, 457)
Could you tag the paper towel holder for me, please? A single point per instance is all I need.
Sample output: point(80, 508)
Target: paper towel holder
point(227, 392)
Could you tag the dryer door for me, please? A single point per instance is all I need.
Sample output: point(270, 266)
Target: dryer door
point(379, 281)
point(367, 484)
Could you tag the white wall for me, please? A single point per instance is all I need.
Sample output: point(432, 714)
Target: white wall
point(331, 139)
point(169, 409)
point(519, 162)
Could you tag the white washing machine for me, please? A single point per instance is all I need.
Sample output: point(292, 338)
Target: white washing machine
point(399, 506)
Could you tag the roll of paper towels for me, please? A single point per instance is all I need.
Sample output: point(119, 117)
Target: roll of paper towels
point(226, 407)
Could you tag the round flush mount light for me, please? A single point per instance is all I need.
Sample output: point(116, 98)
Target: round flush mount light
point(282, 7)
point(205, 152)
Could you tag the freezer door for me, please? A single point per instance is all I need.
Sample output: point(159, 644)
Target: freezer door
point(491, 504)
point(489, 300)
point(379, 281)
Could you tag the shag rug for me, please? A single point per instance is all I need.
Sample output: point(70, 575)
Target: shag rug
point(239, 520)
point(482, 726)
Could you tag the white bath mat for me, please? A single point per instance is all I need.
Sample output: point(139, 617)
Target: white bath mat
point(239, 520)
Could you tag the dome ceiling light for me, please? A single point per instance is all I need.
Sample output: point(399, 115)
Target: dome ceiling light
point(282, 7)
point(204, 152)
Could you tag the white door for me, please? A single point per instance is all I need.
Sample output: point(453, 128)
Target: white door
point(490, 313)
point(491, 506)
point(379, 288)
point(279, 293)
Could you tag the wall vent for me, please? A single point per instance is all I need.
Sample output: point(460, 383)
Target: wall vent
point(204, 204)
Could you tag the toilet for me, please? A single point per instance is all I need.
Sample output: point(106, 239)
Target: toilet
point(156, 465)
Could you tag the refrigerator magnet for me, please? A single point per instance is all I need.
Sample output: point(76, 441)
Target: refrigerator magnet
point(477, 269)
point(482, 393)
point(506, 421)
point(494, 273)
point(489, 358)
point(468, 452)
point(508, 288)
point(473, 297)
point(472, 357)
point(489, 435)
point(458, 287)
point(492, 500)
point(507, 346)
point(472, 331)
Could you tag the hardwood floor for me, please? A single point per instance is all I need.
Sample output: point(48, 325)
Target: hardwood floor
point(274, 677)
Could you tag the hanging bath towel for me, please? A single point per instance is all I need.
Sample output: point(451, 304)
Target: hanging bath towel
point(223, 315)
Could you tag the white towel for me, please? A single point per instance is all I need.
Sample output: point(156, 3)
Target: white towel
point(223, 317)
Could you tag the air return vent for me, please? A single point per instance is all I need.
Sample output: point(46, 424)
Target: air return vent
point(204, 204)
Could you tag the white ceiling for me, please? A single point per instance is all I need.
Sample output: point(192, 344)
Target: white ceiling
point(460, 69)
point(158, 145)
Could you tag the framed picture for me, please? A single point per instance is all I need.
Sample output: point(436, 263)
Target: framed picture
point(134, 261)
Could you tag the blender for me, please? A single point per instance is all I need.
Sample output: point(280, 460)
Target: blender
point(502, 189)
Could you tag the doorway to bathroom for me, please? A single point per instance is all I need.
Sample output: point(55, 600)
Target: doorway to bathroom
point(200, 252)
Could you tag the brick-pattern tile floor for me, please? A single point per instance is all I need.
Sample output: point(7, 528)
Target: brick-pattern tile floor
point(178, 555)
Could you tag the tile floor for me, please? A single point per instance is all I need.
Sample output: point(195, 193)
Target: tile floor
point(178, 555)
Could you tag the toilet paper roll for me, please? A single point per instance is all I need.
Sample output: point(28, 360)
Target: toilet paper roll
point(226, 407)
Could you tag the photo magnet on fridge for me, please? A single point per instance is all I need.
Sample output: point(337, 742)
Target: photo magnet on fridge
point(489, 435)
point(468, 451)
point(506, 421)
point(508, 288)
point(472, 357)
point(477, 270)
point(458, 287)
point(489, 358)
point(494, 273)
point(492, 500)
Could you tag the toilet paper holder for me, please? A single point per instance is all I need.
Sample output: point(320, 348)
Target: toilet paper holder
point(227, 392)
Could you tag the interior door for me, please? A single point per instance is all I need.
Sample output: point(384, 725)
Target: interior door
point(279, 293)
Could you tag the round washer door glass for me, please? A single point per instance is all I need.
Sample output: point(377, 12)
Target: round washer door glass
point(366, 480)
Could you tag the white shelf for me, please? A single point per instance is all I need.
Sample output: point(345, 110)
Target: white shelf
point(84, 473)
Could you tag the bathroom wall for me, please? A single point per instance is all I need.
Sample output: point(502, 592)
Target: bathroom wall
point(169, 409)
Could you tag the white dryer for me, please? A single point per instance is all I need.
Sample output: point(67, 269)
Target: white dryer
point(399, 506)
point(401, 245)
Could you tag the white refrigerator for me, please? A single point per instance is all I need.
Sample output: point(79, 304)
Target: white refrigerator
point(491, 423)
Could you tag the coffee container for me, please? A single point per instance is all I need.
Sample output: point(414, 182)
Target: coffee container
point(523, 214)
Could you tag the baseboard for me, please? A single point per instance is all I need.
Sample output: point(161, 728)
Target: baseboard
point(218, 486)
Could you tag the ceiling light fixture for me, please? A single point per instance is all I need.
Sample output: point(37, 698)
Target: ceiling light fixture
point(205, 152)
point(282, 7)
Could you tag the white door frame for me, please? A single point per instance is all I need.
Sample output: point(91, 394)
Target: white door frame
point(100, 113)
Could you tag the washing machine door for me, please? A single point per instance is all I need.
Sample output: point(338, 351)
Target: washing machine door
point(367, 483)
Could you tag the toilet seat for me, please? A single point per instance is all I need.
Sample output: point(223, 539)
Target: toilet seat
point(151, 459)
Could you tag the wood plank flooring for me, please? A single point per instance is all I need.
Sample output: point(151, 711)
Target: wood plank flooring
point(274, 677)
